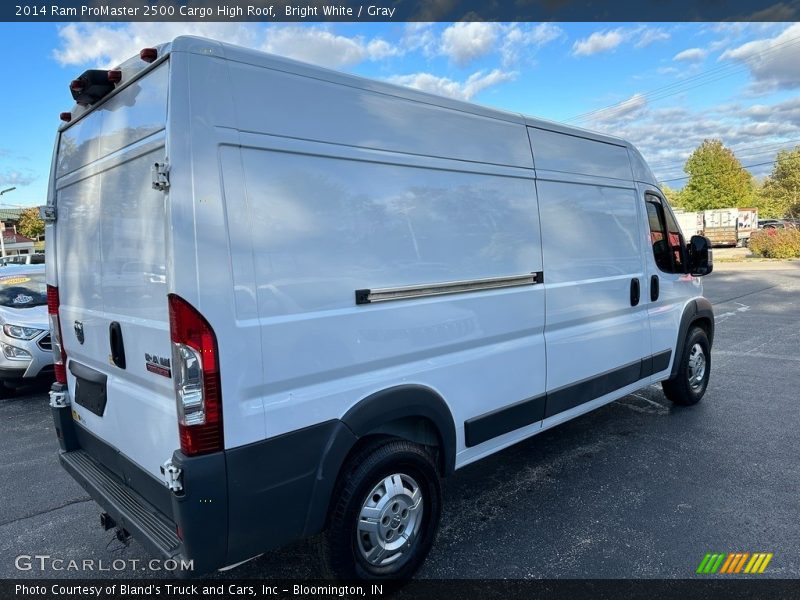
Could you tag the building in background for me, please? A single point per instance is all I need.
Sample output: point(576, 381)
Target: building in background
point(14, 242)
point(10, 217)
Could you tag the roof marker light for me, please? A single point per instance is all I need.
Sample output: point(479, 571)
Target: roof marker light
point(114, 76)
point(65, 116)
point(148, 54)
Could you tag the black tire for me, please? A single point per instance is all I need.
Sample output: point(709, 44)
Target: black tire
point(6, 391)
point(343, 544)
point(687, 386)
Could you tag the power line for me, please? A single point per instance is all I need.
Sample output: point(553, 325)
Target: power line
point(671, 165)
point(711, 172)
point(678, 87)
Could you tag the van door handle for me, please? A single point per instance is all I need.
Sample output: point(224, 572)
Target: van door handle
point(635, 291)
point(654, 288)
point(117, 345)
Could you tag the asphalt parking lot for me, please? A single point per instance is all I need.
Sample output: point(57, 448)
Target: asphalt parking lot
point(636, 489)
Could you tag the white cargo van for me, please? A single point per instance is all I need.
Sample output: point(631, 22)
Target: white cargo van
point(347, 291)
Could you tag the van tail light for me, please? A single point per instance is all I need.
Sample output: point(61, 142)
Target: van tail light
point(195, 373)
point(59, 356)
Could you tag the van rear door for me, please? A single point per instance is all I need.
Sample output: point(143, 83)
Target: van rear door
point(110, 255)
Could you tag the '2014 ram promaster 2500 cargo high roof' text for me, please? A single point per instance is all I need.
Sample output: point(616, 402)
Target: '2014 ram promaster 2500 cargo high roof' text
point(312, 295)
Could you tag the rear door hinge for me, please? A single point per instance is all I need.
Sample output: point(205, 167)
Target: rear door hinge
point(160, 173)
point(47, 213)
point(59, 397)
point(173, 476)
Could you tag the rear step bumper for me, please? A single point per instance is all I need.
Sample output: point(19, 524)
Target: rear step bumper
point(144, 507)
point(234, 504)
point(128, 509)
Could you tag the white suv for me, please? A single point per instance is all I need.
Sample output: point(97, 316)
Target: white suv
point(25, 347)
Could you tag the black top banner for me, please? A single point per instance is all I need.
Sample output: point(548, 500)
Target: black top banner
point(400, 10)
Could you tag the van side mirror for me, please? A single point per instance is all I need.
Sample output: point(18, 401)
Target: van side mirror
point(701, 260)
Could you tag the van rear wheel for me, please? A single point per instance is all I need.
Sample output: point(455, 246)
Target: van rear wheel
point(691, 379)
point(384, 518)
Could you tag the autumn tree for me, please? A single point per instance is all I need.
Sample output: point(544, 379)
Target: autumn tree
point(30, 224)
point(674, 197)
point(780, 194)
point(716, 179)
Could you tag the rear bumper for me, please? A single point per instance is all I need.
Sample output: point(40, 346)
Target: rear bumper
point(234, 504)
point(189, 527)
point(129, 510)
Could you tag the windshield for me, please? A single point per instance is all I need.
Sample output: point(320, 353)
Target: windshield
point(23, 290)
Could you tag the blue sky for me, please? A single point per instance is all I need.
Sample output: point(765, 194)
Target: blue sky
point(663, 86)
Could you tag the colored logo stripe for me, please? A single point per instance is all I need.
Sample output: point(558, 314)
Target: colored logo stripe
point(734, 562)
point(758, 563)
point(710, 563)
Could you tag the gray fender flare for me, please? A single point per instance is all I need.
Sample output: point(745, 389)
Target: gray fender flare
point(366, 416)
point(699, 309)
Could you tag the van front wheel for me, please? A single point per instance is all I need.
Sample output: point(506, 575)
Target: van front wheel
point(691, 380)
point(384, 520)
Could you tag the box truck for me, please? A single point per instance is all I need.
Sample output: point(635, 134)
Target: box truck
point(690, 222)
point(720, 226)
point(286, 300)
point(746, 224)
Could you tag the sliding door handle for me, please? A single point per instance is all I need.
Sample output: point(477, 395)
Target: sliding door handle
point(654, 288)
point(635, 291)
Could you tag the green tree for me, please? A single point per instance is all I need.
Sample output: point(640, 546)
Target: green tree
point(780, 194)
point(30, 225)
point(716, 179)
point(674, 197)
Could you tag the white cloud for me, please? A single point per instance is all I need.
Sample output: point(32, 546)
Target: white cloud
point(464, 42)
point(461, 90)
point(320, 46)
point(13, 177)
point(419, 36)
point(108, 45)
point(651, 35)
point(691, 55)
point(605, 41)
point(519, 37)
point(667, 136)
point(599, 41)
point(787, 112)
point(773, 62)
point(626, 110)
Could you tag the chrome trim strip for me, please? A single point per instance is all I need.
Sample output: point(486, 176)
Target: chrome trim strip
point(425, 290)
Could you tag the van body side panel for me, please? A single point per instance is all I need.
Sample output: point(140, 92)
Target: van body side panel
point(365, 201)
point(329, 226)
point(596, 340)
point(291, 105)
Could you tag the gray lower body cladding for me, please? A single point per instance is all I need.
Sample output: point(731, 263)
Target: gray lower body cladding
point(235, 504)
